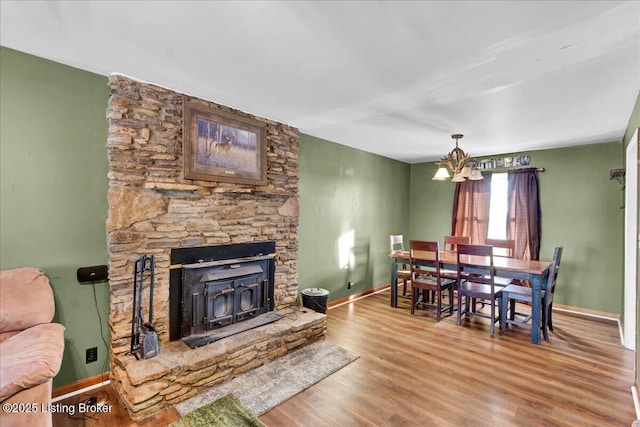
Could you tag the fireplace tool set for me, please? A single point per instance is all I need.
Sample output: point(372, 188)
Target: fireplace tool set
point(144, 338)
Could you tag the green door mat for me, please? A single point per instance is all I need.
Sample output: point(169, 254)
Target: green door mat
point(224, 412)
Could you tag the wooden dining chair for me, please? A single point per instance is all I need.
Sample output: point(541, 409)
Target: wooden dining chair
point(514, 293)
point(425, 276)
point(548, 302)
point(476, 280)
point(404, 272)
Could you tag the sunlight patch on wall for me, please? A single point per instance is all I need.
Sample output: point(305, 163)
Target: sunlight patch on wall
point(345, 249)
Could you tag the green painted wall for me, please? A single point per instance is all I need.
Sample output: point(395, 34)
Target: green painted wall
point(580, 211)
point(53, 183)
point(431, 204)
point(345, 190)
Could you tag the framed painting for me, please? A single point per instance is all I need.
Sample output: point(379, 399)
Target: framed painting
point(221, 146)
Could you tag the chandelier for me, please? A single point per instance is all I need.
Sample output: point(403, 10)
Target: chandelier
point(456, 161)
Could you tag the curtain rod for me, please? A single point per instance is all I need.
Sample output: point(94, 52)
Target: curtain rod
point(514, 169)
point(524, 169)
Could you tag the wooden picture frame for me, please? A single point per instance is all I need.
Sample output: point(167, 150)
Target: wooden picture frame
point(223, 146)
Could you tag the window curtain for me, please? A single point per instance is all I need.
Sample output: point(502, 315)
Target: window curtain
point(523, 216)
point(471, 209)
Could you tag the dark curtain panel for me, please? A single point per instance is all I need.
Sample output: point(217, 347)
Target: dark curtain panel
point(471, 209)
point(523, 217)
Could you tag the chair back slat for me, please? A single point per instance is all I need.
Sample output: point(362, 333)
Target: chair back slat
point(423, 246)
point(508, 246)
point(451, 242)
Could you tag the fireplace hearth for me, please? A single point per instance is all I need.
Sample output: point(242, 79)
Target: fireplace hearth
point(213, 287)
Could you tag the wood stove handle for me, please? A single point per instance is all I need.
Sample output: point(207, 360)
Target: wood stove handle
point(195, 303)
point(265, 297)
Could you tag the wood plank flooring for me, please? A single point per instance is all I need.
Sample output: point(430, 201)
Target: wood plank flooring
point(413, 371)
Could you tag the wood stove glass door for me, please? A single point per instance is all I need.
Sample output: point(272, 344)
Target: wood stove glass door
point(247, 296)
point(219, 304)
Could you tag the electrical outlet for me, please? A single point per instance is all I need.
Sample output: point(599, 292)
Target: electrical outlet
point(91, 354)
point(349, 285)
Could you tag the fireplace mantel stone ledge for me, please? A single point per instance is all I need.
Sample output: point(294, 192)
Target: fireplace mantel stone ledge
point(180, 372)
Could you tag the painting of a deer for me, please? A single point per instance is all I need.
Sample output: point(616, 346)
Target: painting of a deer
point(222, 147)
point(226, 145)
point(222, 142)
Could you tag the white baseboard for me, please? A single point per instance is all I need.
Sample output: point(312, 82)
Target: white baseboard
point(80, 391)
point(356, 298)
point(636, 402)
point(595, 315)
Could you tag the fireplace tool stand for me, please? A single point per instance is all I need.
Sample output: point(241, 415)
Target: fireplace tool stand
point(144, 338)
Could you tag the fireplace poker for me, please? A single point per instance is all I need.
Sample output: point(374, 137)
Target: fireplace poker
point(144, 338)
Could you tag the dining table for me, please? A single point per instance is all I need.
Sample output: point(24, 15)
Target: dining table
point(535, 271)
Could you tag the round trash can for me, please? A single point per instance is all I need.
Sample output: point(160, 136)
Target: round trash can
point(315, 299)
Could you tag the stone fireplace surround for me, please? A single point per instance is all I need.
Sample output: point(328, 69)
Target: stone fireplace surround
point(153, 208)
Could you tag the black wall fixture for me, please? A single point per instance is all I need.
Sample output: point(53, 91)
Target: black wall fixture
point(97, 273)
point(618, 175)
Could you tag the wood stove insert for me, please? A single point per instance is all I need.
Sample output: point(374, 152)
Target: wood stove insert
point(219, 293)
point(219, 286)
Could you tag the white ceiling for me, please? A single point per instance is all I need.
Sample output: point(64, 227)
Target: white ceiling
point(395, 78)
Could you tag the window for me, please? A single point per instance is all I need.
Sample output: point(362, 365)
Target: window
point(481, 209)
point(498, 207)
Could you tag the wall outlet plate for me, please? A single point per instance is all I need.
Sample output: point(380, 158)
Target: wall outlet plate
point(92, 354)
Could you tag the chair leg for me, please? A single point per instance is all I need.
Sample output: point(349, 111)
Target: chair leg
point(545, 323)
point(438, 297)
point(549, 317)
point(502, 303)
point(459, 316)
point(414, 299)
point(493, 316)
point(404, 288)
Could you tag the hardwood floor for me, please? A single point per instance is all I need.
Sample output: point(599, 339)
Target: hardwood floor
point(413, 371)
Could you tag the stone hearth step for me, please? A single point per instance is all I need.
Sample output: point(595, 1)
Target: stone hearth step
point(149, 385)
